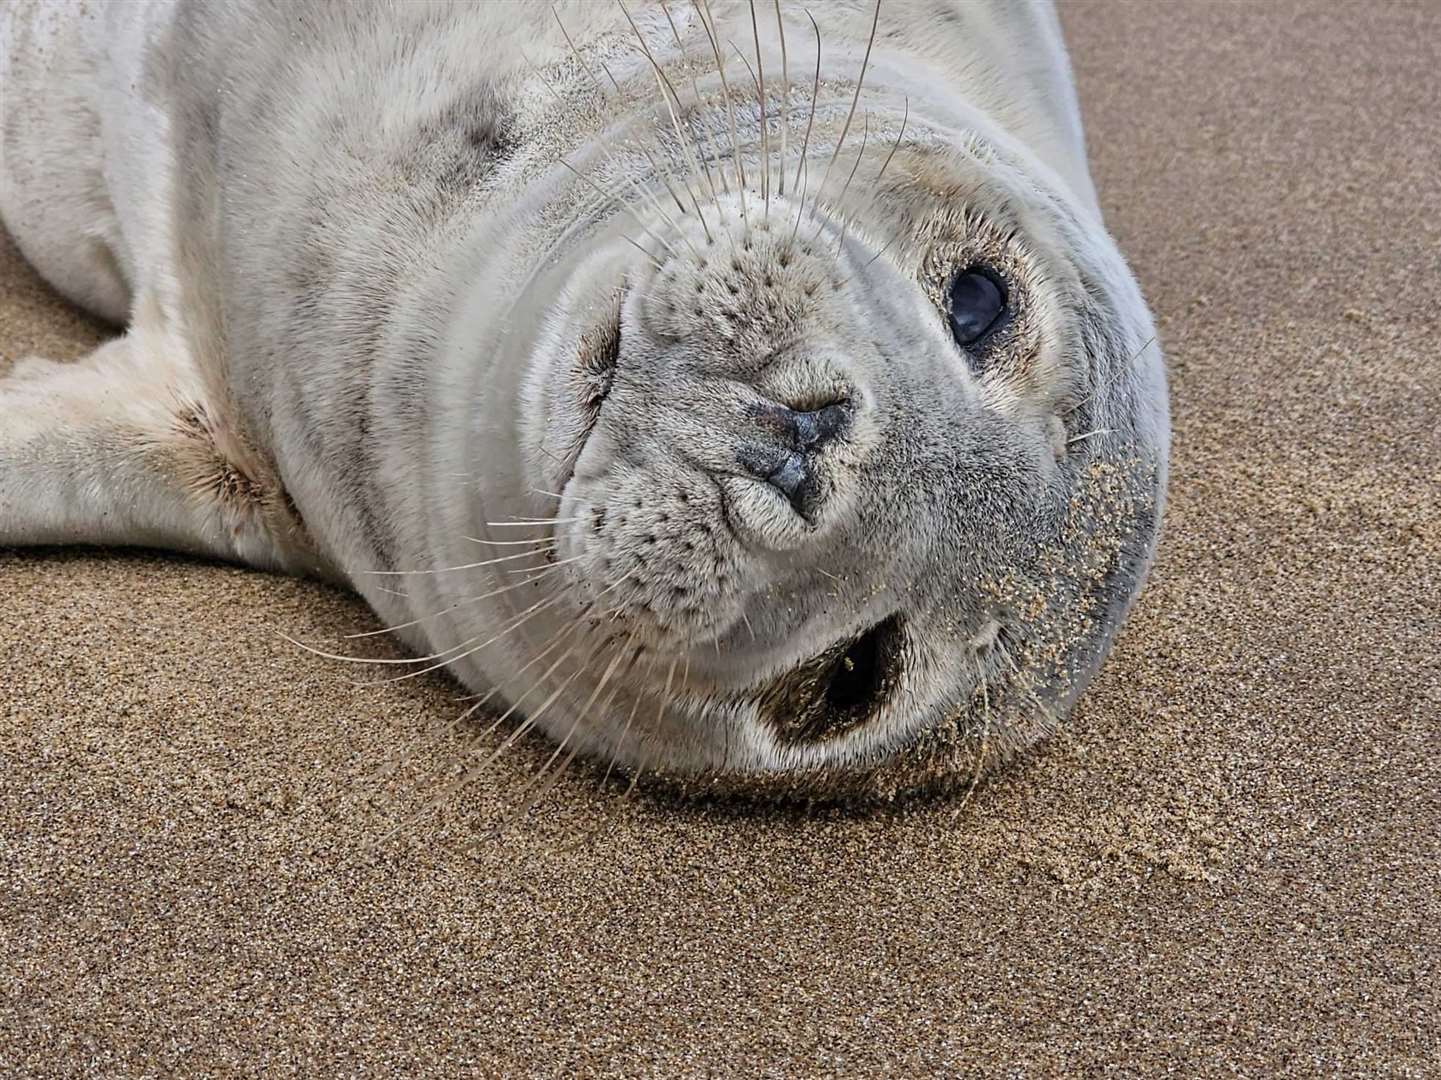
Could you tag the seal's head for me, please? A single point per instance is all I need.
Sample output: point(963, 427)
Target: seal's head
point(846, 471)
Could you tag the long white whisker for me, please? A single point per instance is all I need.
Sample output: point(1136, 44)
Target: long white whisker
point(985, 740)
point(471, 774)
point(1117, 377)
point(534, 547)
point(905, 119)
point(702, 153)
point(497, 543)
point(601, 91)
point(660, 714)
point(806, 143)
point(855, 100)
point(645, 195)
point(556, 641)
point(464, 602)
point(581, 716)
point(667, 93)
point(607, 195)
point(517, 523)
point(730, 105)
point(765, 122)
point(1090, 435)
point(785, 96)
point(840, 199)
point(551, 567)
point(465, 648)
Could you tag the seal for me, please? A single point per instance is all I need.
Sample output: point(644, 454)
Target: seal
point(744, 396)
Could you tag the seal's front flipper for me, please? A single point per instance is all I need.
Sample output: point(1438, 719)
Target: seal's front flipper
point(121, 447)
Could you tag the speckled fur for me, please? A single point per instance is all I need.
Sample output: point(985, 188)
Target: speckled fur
point(405, 284)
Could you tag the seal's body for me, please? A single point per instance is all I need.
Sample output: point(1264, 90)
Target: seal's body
point(747, 399)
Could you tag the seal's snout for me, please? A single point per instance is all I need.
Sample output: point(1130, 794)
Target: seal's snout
point(786, 447)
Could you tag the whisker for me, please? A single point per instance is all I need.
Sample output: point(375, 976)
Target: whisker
point(607, 195)
point(536, 547)
point(659, 715)
point(471, 774)
point(663, 83)
point(1117, 377)
point(517, 523)
point(642, 192)
point(582, 715)
point(905, 118)
point(806, 142)
point(765, 135)
point(840, 199)
point(551, 567)
point(855, 100)
point(624, 731)
point(534, 70)
point(765, 122)
point(464, 649)
point(1090, 434)
point(353, 659)
point(702, 153)
point(496, 543)
point(730, 105)
point(785, 96)
point(527, 723)
point(885, 248)
point(660, 75)
point(746, 620)
point(985, 739)
point(464, 602)
point(653, 260)
point(557, 639)
point(411, 750)
point(876, 183)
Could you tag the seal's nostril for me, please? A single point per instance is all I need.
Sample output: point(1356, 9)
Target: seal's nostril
point(816, 428)
point(790, 475)
point(785, 469)
point(789, 439)
point(799, 429)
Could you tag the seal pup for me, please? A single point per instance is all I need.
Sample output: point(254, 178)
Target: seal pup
point(738, 394)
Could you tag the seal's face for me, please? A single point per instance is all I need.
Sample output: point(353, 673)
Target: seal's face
point(844, 489)
point(839, 510)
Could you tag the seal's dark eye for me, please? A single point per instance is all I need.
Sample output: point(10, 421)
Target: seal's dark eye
point(977, 304)
point(840, 690)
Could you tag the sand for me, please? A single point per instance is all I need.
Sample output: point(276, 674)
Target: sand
point(1227, 862)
